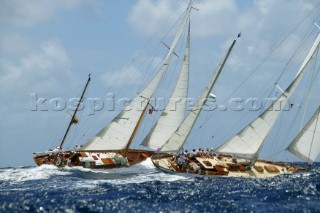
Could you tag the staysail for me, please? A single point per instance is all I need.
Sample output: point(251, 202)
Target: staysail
point(177, 140)
point(307, 143)
point(174, 112)
point(118, 134)
point(251, 138)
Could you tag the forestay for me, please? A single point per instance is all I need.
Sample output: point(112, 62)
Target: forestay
point(118, 134)
point(250, 139)
point(307, 143)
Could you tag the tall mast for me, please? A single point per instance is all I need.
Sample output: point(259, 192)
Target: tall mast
point(73, 119)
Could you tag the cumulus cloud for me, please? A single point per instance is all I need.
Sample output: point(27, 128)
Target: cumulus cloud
point(43, 70)
point(260, 23)
point(211, 19)
point(129, 76)
point(29, 13)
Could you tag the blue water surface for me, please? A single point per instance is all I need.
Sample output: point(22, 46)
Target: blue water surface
point(144, 189)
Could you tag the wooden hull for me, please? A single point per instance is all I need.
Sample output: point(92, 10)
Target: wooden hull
point(223, 165)
point(99, 160)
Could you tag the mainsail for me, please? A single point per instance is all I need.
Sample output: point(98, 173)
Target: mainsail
point(250, 139)
point(118, 134)
point(174, 112)
point(307, 143)
point(177, 140)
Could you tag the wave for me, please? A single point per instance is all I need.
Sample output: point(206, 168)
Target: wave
point(31, 173)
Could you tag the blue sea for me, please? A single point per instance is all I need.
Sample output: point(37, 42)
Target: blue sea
point(142, 188)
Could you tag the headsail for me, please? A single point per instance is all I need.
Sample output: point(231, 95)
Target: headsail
point(174, 112)
point(251, 138)
point(119, 132)
point(177, 140)
point(307, 143)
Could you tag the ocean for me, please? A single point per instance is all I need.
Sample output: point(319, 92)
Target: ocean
point(142, 188)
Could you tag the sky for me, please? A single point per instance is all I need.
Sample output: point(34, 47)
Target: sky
point(48, 48)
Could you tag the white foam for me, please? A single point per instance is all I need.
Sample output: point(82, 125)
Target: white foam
point(34, 173)
point(147, 164)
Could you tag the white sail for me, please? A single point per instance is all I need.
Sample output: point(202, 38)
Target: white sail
point(118, 134)
point(177, 140)
point(250, 139)
point(307, 143)
point(174, 112)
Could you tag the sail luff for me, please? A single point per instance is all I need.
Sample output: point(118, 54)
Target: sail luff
point(116, 135)
point(174, 112)
point(306, 145)
point(178, 139)
point(249, 140)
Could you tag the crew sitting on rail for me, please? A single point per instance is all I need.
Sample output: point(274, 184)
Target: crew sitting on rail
point(192, 154)
point(76, 147)
point(199, 152)
point(185, 153)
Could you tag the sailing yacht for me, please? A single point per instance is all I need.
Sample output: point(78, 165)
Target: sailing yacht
point(110, 148)
point(238, 156)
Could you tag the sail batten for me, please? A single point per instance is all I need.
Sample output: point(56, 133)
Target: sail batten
point(306, 145)
point(247, 141)
point(177, 140)
point(117, 134)
point(174, 112)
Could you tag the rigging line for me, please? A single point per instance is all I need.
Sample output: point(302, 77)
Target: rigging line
point(277, 47)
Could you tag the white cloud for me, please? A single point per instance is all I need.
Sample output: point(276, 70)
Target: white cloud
point(129, 76)
point(260, 22)
point(12, 44)
point(147, 15)
point(43, 70)
point(31, 12)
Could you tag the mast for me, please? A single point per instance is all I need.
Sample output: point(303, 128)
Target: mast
point(178, 139)
point(73, 118)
